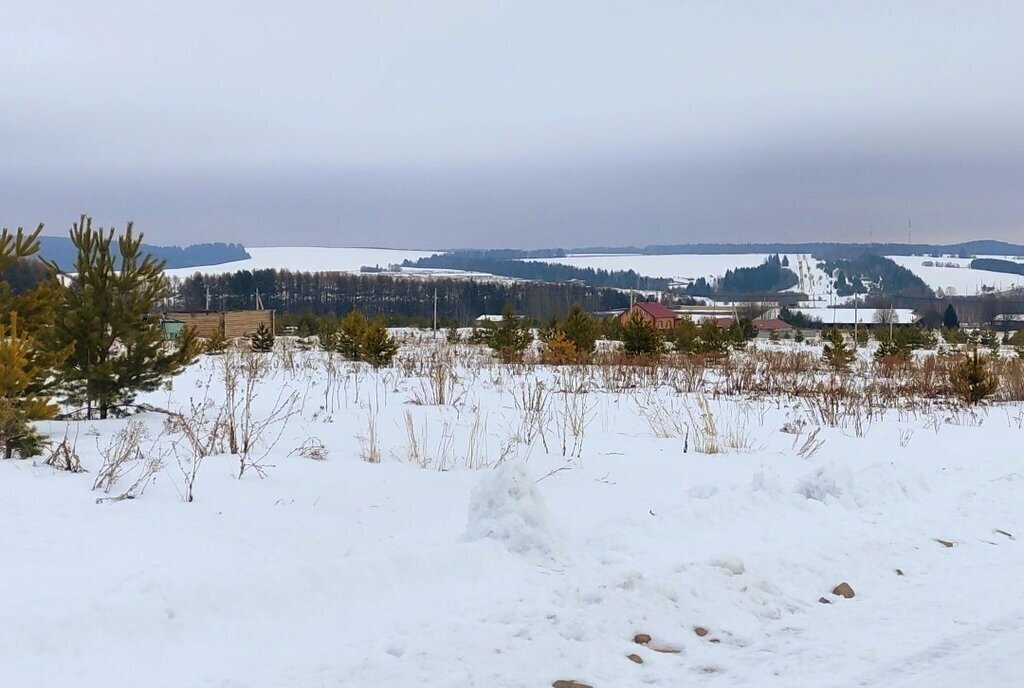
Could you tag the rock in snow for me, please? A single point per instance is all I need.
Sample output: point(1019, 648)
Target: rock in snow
point(843, 590)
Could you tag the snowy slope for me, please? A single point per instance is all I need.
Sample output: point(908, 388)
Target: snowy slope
point(687, 267)
point(960, 280)
point(342, 572)
point(325, 259)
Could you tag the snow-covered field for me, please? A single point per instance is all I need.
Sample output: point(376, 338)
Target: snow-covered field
point(688, 267)
point(813, 281)
point(961, 280)
point(522, 533)
point(324, 259)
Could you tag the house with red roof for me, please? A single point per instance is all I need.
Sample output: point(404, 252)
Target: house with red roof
point(658, 316)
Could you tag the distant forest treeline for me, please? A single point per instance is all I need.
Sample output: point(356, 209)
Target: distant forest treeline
point(823, 249)
point(401, 300)
point(770, 276)
point(875, 274)
point(477, 261)
point(819, 249)
point(996, 265)
point(60, 250)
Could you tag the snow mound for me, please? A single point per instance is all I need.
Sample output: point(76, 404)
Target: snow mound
point(876, 485)
point(506, 506)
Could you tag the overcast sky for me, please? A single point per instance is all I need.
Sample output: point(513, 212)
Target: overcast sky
point(515, 123)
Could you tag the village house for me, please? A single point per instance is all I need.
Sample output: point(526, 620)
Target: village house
point(231, 324)
point(765, 326)
point(656, 315)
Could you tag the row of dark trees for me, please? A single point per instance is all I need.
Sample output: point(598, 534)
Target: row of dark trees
point(62, 252)
point(539, 270)
point(872, 273)
point(770, 276)
point(998, 265)
point(85, 336)
point(401, 300)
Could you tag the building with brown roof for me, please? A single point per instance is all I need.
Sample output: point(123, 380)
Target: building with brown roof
point(656, 315)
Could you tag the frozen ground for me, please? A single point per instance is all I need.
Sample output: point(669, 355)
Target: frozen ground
point(515, 565)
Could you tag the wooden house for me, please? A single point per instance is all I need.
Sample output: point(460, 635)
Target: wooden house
point(231, 324)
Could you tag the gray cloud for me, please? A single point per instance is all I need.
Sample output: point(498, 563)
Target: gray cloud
point(514, 123)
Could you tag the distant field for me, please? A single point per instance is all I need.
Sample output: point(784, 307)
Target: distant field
point(963, 280)
point(681, 267)
point(308, 258)
point(686, 267)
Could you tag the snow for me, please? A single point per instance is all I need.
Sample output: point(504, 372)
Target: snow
point(506, 506)
point(325, 259)
point(847, 315)
point(961, 280)
point(479, 560)
point(678, 267)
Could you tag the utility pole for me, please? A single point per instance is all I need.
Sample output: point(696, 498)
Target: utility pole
point(856, 301)
point(435, 309)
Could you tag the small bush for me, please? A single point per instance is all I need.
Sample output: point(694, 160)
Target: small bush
point(262, 340)
point(560, 351)
point(639, 338)
point(972, 380)
point(216, 344)
point(835, 350)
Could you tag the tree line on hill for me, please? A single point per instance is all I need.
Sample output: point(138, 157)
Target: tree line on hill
point(62, 252)
point(821, 249)
point(402, 300)
point(870, 273)
point(473, 261)
point(770, 276)
point(997, 265)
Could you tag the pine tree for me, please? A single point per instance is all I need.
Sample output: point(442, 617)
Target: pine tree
point(639, 338)
point(972, 380)
point(559, 350)
point(835, 350)
point(349, 335)
point(580, 329)
point(216, 343)
point(712, 340)
point(117, 344)
point(262, 340)
point(24, 370)
point(950, 321)
point(29, 356)
point(376, 345)
point(510, 337)
point(1017, 342)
